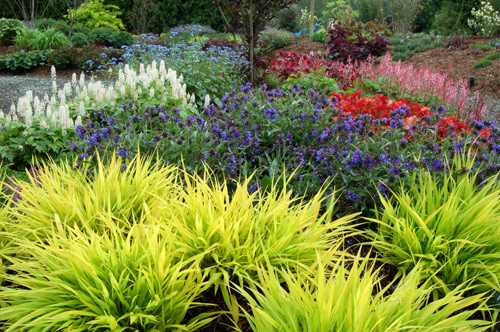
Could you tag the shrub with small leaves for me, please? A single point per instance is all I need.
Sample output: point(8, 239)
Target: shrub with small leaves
point(273, 38)
point(9, 28)
point(320, 36)
point(483, 47)
point(486, 19)
point(482, 64)
point(494, 56)
point(79, 39)
point(110, 37)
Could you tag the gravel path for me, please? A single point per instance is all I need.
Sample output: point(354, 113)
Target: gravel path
point(13, 87)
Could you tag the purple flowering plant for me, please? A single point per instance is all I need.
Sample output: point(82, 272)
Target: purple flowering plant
point(265, 132)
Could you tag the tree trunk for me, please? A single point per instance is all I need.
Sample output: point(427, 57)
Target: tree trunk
point(311, 19)
point(252, 44)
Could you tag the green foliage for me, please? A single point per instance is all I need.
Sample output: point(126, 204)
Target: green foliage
point(110, 37)
point(320, 36)
point(451, 18)
point(448, 227)
point(88, 58)
point(27, 39)
point(494, 56)
point(117, 282)
point(482, 64)
point(49, 23)
point(179, 12)
point(315, 80)
point(79, 39)
point(64, 58)
point(339, 12)
point(96, 14)
point(272, 38)
point(287, 19)
point(347, 295)
point(371, 10)
point(51, 39)
point(483, 47)
point(20, 143)
point(81, 29)
point(31, 39)
point(22, 61)
point(272, 80)
point(404, 48)
point(404, 14)
point(9, 28)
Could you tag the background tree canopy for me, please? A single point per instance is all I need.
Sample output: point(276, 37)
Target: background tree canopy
point(440, 16)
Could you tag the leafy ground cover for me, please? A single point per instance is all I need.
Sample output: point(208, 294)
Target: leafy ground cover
point(266, 192)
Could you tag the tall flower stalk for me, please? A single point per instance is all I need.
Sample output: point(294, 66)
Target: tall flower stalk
point(425, 82)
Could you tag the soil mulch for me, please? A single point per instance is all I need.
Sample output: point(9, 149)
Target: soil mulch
point(459, 64)
point(302, 45)
point(4, 50)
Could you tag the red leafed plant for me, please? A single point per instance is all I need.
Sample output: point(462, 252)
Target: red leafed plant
point(292, 63)
point(344, 47)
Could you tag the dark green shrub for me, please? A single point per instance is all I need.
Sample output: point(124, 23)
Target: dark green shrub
point(64, 58)
point(494, 56)
point(50, 23)
point(111, 38)
point(80, 29)
point(320, 37)
point(122, 38)
point(371, 10)
point(437, 44)
point(79, 39)
point(400, 48)
point(482, 64)
point(288, 19)
point(21, 61)
point(181, 12)
point(274, 38)
point(9, 29)
point(484, 47)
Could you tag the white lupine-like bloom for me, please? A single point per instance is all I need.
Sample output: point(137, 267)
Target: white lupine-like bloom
point(207, 100)
point(78, 121)
point(129, 84)
point(54, 86)
point(53, 72)
point(48, 112)
point(29, 96)
point(81, 109)
point(43, 123)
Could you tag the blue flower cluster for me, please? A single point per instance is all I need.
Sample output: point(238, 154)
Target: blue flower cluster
point(213, 70)
point(268, 131)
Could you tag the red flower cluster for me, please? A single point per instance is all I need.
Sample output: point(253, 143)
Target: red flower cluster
point(380, 107)
point(292, 63)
